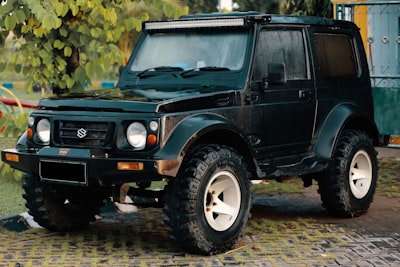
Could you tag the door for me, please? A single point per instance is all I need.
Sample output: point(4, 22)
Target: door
point(287, 110)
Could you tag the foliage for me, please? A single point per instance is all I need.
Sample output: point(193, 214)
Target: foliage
point(67, 42)
point(6, 51)
point(13, 124)
point(271, 7)
point(154, 12)
point(202, 6)
point(320, 8)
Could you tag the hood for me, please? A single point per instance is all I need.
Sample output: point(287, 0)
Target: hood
point(140, 101)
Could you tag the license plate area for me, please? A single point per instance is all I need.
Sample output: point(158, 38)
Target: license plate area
point(68, 172)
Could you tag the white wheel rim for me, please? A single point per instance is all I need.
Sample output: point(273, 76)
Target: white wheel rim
point(360, 175)
point(222, 200)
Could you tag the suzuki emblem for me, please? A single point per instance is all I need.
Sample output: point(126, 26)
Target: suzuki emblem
point(81, 133)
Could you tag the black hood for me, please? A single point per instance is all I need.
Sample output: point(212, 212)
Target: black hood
point(140, 101)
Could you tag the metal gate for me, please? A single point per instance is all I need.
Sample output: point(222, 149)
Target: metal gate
point(379, 23)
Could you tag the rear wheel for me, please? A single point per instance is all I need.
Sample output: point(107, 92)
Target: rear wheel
point(57, 208)
point(348, 188)
point(208, 205)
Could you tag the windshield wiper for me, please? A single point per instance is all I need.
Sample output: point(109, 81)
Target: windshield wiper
point(207, 68)
point(161, 69)
point(214, 68)
point(185, 72)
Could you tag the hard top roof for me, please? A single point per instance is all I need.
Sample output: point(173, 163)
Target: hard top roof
point(242, 19)
point(273, 18)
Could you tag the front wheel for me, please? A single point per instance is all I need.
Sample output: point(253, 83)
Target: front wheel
point(208, 205)
point(348, 188)
point(59, 208)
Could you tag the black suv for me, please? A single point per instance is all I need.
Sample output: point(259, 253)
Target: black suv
point(207, 103)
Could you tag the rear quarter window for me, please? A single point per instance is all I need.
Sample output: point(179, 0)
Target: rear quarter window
point(336, 55)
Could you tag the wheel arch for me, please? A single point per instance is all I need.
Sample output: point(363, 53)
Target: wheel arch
point(202, 129)
point(344, 116)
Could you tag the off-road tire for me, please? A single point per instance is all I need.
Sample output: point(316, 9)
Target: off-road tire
point(53, 209)
point(192, 211)
point(347, 188)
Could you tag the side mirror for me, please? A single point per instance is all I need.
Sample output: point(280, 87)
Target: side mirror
point(276, 73)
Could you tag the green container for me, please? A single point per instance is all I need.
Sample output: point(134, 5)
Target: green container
point(387, 109)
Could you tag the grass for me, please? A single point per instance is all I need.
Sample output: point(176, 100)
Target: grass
point(291, 185)
point(11, 201)
point(389, 178)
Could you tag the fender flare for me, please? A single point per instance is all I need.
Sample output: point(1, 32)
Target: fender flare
point(169, 158)
point(342, 116)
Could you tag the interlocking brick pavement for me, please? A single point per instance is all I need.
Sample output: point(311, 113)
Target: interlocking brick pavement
point(285, 230)
point(372, 239)
point(298, 232)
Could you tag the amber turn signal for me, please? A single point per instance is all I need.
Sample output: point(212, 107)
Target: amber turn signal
point(151, 139)
point(29, 133)
point(130, 166)
point(12, 157)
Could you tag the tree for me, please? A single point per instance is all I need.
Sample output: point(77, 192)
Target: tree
point(66, 42)
point(320, 8)
point(270, 7)
point(154, 12)
point(202, 6)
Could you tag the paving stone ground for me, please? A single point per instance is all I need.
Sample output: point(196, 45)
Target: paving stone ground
point(285, 230)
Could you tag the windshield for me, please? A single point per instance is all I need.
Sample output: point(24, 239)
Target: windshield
point(191, 50)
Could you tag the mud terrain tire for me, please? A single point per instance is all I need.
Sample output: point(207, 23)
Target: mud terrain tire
point(53, 209)
point(347, 189)
point(208, 205)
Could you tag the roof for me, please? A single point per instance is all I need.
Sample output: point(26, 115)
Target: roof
point(242, 19)
point(272, 18)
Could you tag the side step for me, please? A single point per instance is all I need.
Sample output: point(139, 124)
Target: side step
point(306, 166)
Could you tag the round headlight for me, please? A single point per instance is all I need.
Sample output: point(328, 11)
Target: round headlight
point(43, 130)
point(136, 135)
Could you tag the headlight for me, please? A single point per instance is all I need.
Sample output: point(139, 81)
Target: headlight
point(136, 135)
point(43, 130)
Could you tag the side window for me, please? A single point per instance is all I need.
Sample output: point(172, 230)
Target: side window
point(335, 54)
point(284, 45)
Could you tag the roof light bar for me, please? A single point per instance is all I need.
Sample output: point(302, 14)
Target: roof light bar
point(204, 23)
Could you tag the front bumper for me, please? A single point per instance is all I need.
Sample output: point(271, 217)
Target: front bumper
point(81, 167)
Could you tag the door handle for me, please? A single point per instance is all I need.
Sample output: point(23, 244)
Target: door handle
point(305, 94)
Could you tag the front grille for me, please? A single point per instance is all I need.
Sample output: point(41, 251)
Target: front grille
point(83, 134)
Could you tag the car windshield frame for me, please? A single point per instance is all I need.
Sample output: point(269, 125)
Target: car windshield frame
point(191, 50)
